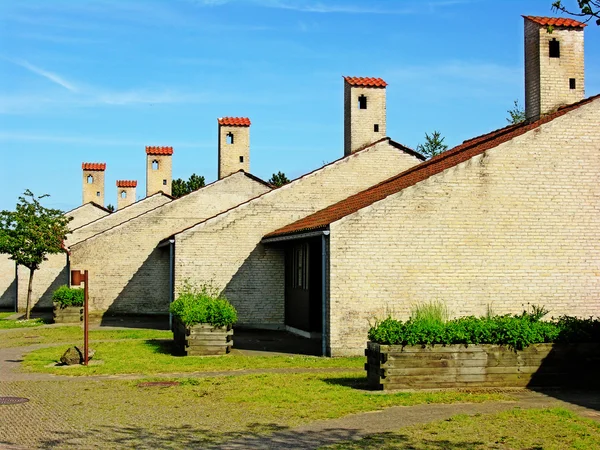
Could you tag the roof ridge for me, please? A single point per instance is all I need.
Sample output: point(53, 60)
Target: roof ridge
point(288, 185)
point(420, 172)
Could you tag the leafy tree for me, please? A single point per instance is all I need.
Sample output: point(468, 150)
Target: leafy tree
point(110, 207)
point(517, 114)
point(434, 145)
point(278, 179)
point(30, 233)
point(181, 187)
point(587, 9)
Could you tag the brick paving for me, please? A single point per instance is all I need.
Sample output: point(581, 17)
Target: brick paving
point(56, 417)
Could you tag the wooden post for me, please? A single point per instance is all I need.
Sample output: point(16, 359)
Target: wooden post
point(86, 324)
point(77, 277)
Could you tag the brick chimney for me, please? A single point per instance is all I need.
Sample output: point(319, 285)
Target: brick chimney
point(93, 182)
point(159, 170)
point(554, 74)
point(234, 145)
point(125, 193)
point(364, 112)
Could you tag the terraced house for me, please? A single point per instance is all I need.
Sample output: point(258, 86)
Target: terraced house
point(500, 221)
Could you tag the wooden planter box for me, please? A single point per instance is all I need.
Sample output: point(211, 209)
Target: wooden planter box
point(68, 314)
point(454, 366)
point(202, 339)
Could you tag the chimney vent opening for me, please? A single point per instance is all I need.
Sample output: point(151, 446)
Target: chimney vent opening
point(155, 165)
point(164, 182)
point(362, 102)
point(229, 138)
point(98, 194)
point(123, 194)
point(554, 48)
point(90, 179)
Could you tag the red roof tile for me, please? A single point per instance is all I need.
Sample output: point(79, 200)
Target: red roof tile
point(126, 183)
point(556, 22)
point(93, 166)
point(365, 81)
point(420, 172)
point(234, 121)
point(159, 150)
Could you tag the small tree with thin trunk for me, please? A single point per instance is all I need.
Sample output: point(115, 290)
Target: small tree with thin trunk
point(434, 145)
point(30, 233)
point(279, 179)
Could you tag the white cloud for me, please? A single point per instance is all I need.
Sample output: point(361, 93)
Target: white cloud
point(48, 75)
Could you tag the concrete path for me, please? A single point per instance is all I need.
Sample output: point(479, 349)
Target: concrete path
point(357, 426)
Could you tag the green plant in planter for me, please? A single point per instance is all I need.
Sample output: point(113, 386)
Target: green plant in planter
point(66, 296)
point(203, 305)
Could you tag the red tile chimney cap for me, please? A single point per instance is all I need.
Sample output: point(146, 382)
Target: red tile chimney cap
point(234, 121)
point(94, 166)
point(365, 81)
point(556, 22)
point(159, 150)
point(126, 183)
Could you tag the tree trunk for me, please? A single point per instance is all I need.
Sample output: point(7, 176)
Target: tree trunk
point(29, 289)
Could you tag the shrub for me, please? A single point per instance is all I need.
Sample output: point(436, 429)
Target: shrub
point(203, 305)
point(66, 296)
point(518, 331)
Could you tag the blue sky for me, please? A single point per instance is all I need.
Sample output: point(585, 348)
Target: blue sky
point(97, 81)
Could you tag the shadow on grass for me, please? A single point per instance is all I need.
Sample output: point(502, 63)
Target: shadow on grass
point(257, 436)
point(164, 347)
point(589, 398)
point(359, 383)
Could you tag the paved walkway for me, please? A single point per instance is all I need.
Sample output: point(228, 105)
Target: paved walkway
point(309, 436)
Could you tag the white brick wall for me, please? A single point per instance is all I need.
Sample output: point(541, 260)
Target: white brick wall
point(227, 249)
point(516, 225)
point(128, 274)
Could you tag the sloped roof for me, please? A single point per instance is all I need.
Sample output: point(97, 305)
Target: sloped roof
point(365, 81)
point(556, 21)
point(414, 175)
point(252, 177)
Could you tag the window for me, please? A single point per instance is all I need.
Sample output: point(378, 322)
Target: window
point(123, 194)
point(300, 267)
point(164, 182)
point(155, 165)
point(98, 194)
point(572, 83)
point(241, 159)
point(376, 128)
point(90, 179)
point(554, 48)
point(229, 138)
point(362, 102)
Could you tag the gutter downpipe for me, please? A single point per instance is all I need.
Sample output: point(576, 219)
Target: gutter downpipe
point(324, 299)
point(171, 279)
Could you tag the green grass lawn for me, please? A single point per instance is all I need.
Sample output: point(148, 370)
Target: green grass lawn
point(203, 411)
point(8, 324)
point(548, 429)
point(155, 357)
point(73, 335)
